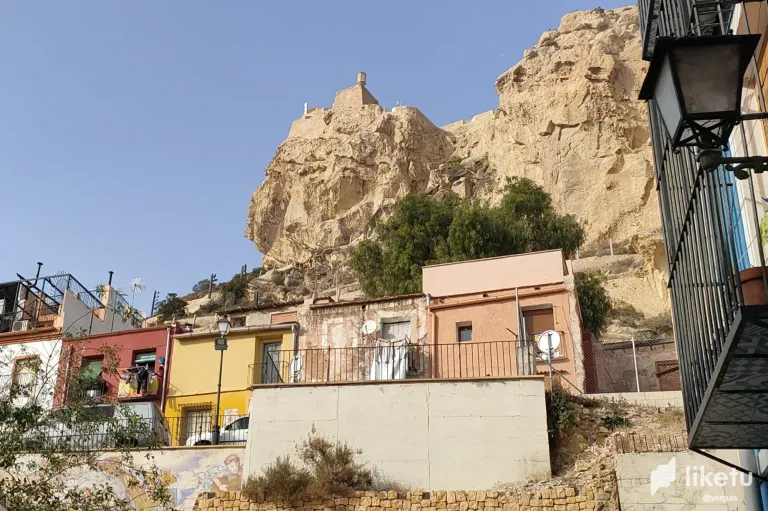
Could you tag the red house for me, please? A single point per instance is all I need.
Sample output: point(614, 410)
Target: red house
point(118, 366)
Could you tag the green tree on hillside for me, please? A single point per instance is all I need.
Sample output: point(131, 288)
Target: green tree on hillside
point(171, 307)
point(594, 302)
point(424, 230)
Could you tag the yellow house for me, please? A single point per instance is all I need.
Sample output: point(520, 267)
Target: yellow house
point(255, 355)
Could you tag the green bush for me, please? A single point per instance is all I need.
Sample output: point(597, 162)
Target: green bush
point(212, 305)
point(613, 421)
point(593, 302)
point(334, 467)
point(329, 469)
point(561, 407)
point(171, 307)
point(281, 480)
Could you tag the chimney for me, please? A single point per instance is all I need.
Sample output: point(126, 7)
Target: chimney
point(361, 78)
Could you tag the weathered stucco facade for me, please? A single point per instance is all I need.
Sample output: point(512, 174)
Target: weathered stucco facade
point(474, 329)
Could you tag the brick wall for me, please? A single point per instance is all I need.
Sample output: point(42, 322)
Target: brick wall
point(562, 498)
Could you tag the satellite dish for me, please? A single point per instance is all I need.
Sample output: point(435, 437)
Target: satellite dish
point(548, 340)
point(368, 327)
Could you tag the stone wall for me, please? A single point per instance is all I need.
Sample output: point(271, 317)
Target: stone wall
point(563, 498)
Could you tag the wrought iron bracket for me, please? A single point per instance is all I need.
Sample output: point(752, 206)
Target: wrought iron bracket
point(710, 159)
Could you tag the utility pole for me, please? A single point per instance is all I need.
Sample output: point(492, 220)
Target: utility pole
point(154, 302)
point(211, 281)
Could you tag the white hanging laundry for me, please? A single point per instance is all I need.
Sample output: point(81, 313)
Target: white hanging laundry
point(390, 360)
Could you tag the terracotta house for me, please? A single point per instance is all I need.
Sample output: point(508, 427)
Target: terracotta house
point(487, 317)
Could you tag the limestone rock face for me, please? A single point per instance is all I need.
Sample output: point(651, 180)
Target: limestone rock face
point(568, 118)
point(337, 170)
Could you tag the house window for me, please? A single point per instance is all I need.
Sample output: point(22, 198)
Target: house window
point(395, 330)
point(25, 375)
point(238, 322)
point(91, 367)
point(145, 359)
point(464, 331)
point(195, 422)
point(538, 321)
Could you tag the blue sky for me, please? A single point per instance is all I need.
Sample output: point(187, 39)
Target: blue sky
point(132, 134)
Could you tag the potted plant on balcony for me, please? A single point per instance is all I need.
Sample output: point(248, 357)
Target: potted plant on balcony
point(752, 286)
point(87, 386)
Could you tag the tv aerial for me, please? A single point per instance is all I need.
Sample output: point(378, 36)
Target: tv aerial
point(136, 287)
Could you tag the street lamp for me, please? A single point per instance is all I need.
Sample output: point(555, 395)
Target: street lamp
point(696, 83)
point(220, 344)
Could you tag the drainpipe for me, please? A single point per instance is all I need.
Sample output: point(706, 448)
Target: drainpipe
point(66, 374)
point(295, 329)
point(167, 366)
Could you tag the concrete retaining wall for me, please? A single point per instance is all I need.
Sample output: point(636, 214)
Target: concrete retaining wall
point(436, 435)
point(670, 399)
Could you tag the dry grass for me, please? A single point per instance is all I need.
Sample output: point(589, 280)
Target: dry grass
point(328, 469)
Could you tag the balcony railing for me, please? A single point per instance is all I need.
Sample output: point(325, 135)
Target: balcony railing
point(26, 304)
point(396, 361)
point(135, 432)
point(678, 18)
point(716, 268)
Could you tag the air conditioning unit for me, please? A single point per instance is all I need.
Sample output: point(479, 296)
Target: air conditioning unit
point(20, 325)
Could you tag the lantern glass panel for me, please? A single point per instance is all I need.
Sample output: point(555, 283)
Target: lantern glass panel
point(710, 78)
point(665, 94)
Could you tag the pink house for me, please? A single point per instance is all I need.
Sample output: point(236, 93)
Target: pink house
point(485, 317)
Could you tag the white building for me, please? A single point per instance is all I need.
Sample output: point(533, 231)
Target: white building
point(35, 314)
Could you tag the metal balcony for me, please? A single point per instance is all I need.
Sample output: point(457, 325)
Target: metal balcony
point(721, 328)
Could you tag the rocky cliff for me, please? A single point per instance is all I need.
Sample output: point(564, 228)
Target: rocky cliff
point(568, 118)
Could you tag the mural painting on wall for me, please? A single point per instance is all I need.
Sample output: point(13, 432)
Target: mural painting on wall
point(186, 472)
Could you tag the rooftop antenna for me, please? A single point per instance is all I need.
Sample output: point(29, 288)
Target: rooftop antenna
point(136, 287)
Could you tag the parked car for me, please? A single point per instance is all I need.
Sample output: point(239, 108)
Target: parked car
point(233, 433)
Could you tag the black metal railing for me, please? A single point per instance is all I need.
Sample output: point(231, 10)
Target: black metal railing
point(136, 432)
point(679, 18)
point(30, 303)
point(391, 361)
point(196, 429)
point(128, 432)
point(700, 213)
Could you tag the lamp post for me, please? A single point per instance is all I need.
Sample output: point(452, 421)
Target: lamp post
point(220, 344)
point(696, 82)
